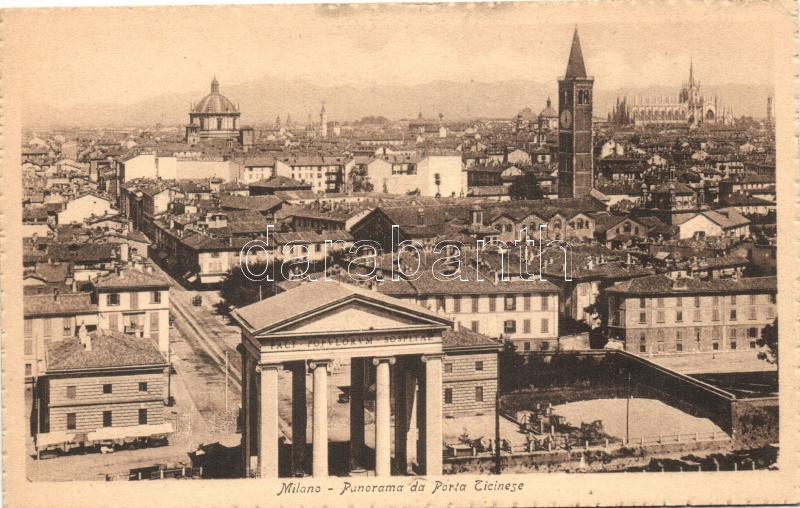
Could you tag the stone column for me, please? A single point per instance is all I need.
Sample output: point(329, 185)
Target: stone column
point(404, 400)
point(245, 415)
point(433, 414)
point(383, 422)
point(357, 389)
point(320, 370)
point(299, 418)
point(268, 443)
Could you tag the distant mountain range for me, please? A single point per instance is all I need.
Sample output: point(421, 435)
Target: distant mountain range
point(260, 101)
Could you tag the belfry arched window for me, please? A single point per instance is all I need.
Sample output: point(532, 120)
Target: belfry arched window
point(219, 123)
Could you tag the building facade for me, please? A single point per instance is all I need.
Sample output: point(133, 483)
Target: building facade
point(657, 315)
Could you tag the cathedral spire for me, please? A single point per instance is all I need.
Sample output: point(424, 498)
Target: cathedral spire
point(575, 66)
point(691, 72)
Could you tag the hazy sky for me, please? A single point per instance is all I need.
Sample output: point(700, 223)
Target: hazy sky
point(126, 55)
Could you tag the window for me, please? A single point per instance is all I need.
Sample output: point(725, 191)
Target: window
point(752, 332)
point(544, 326)
point(441, 303)
point(492, 304)
point(143, 417)
point(28, 327)
point(511, 302)
point(697, 301)
point(773, 298)
point(545, 302)
point(733, 299)
point(697, 332)
point(474, 326)
point(107, 422)
point(679, 302)
point(28, 346)
point(545, 345)
point(448, 368)
point(527, 302)
point(478, 365)
point(660, 302)
point(715, 314)
point(510, 326)
point(46, 325)
point(478, 394)
point(733, 344)
point(107, 388)
point(143, 386)
point(751, 313)
point(697, 315)
point(642, 317)
point(71, 392)
point(67, 326)
point(72, 421)
point(770, 312)
point(642, 344)
point(679, 316)
point(215, 254)
point(475, 301)
point(456, 304)
point(112, 321)
point(112, 299)
point(28, 370)
point(155, 297)
point(752, 299)
point(448, 395)
point(679, 346)
point(660, 316)
point(715, 346)
point(642, 303)
point(715, 300)
point(526, 326)
point(584, 289)
point(526, 346)
point(733, 314)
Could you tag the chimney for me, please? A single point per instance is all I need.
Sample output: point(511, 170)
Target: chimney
point(628, 260)
point(74, 286)
point(86, 340)
point(56, 292)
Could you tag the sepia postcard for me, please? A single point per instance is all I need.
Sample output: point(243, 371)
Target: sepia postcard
point(484, 254)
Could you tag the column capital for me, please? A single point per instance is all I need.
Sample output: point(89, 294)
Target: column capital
point(380, 359)
point(435, 356)
point(326, 364)
point(261, 367)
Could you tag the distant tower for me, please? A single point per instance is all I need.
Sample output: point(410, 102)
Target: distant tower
point(323, 122)
point(278, 122)
point(770, 112)
point(575, 159)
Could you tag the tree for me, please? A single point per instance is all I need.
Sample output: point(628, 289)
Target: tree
point(525, 187)
point(769, 339)
point(239, 290)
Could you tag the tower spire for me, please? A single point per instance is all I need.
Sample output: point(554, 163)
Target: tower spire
point(691, 71)
point(575, 65)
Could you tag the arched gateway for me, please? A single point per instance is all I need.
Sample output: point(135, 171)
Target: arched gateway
point(307, 329)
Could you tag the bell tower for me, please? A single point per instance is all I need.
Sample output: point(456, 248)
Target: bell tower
point(575, 152)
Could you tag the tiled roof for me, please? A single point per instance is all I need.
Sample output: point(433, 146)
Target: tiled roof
point(313, 296)
point(129, 278)
point(465, 338)
point(109, 349)
point(52, 272)
point(280, 182)
point(259, 203)
point(661, 284)
point(63, 304)
point(89, 253)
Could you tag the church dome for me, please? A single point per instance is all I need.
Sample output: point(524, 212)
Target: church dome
point(215, 102)
point(548, 111)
